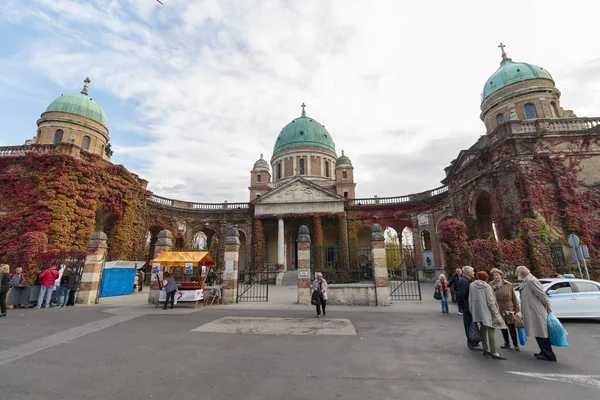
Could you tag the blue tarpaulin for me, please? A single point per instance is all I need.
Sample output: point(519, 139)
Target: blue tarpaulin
point(117, 278)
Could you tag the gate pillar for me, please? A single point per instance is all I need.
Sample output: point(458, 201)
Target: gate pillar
point(164, 243)
point(92, 269)
point(230, 274)
point(380, 271)
point(303, 241)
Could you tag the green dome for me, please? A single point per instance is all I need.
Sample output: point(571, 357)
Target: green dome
point(79, 104)
point(512, 72)
point(303, 131)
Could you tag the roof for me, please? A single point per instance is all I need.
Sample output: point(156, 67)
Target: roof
point(511, 72)
point(303, 131)
point(180, 258)
point(79, 104)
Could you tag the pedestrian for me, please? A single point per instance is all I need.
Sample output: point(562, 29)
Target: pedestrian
point(453, 284)
point(4, 286)
point(47, 278)
point(319, 288)
point(67, 283)
point(462, 299)
point(485, 312)
point(508, 304)
point(170, 287)
point(16, 280)
point(442, 285)
point(142, 277)
point(136, 281)
point(535, 307)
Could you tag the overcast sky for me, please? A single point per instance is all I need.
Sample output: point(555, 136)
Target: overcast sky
point(195, 91)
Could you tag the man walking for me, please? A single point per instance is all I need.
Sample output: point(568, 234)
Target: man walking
point(67, 282)
point(462, 298)
point(453, 285)
point(47, 279)
point(535, 307)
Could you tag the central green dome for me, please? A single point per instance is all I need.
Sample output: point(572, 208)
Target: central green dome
point(303, 131)
point(79, 104)
point(512, 72)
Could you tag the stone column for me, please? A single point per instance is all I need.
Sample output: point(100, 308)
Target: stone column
point(280, 243)
point(163, 243)
point(343, 239)
point(303, 241)
point(380, 271)
point(318, 241)
point(92, 269)
point(230, 274)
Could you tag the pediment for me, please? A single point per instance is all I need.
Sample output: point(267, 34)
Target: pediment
point(299, 190)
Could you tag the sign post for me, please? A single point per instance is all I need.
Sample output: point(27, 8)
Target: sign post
point(578, 253)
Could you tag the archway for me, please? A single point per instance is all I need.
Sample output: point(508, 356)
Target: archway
point(483, 216)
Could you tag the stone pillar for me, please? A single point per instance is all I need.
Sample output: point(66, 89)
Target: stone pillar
point(163, 243)
point(303, 241)
point(318, 241)
point(380, 271)
point(343, 240)
point(280, 243)
point(92, 269)
point(230, 274)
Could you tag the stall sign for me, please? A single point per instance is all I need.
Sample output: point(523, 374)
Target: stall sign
point(155, 268)
point(190, 295)
point(203, 270)
point(189, 268)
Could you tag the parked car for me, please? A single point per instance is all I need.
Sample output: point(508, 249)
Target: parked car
point(571, 298)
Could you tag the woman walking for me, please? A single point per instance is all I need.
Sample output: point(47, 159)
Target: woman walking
point(4, 285)
point(320, 293)
point(442, 285)
point(508, 305)
point(484, 309)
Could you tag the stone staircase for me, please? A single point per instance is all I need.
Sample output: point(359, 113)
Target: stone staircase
point(290, 278)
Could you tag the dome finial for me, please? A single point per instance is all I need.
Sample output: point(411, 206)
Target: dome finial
point(261, 156)
point(303, 111)
point(343, 153)
point(86, 82)
point(504, 56)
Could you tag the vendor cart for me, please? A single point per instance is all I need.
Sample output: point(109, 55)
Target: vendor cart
point(190, 270)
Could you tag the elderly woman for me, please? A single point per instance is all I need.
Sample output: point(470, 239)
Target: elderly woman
point(484, 309)
point(320, 293)
point(444, 287)
point(508, 304)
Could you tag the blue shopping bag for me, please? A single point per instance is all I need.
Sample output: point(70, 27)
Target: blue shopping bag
point(522, 336)
point(556, 332)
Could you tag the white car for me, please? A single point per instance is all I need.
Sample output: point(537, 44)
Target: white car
point(571, 298)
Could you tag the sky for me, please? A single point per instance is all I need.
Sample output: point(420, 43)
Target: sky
point(195, 91)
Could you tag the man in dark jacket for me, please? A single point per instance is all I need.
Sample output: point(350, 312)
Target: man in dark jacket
point(67, 281)
point(453, 285)
point(462, 298)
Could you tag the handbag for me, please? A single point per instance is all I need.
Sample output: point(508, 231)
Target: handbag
point(437, 294)
point(315, 298)
point(519, 324)
point(522, 336)
point(474, 334)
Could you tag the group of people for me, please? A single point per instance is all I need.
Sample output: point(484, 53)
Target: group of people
point(46, 279)
point(486, 307)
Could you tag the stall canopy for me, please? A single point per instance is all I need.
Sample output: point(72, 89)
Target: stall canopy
point(180, 258)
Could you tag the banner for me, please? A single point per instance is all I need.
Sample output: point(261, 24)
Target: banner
point(155, 268)
point(189, 268)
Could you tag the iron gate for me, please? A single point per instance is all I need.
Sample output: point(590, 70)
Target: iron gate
point(403, 273)
point(253, 285)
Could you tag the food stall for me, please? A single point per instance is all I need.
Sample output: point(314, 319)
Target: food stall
point(190, 270)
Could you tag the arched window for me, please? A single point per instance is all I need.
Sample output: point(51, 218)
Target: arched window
point(58, 136)
point(426, 240)
point(259, 178)
point(279, 170)
point(344, 175)
point(302, 166)
point(85, 143)
point(554, 108)
point(529, 111)
point(102, 150)
point(327, 169)
point(500, 118)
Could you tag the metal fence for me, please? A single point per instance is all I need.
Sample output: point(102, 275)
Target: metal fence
point(253, 286)
point(402, 273)
point(342, 264)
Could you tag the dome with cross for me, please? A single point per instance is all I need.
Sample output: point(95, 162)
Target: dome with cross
point(303, 131)
point(511, 72)
point(79, 104)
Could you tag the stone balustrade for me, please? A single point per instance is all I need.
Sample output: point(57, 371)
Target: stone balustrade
point(12, 151)
point(398, 199)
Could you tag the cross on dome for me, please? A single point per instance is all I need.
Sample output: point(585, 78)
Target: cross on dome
point(303, 111)
point(504, 56)
point(86, 82)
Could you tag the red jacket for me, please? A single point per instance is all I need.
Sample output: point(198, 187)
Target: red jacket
point(48, 277)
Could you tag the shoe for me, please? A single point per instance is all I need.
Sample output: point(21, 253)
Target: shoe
point(36, 307)
point(164, 308)
point(2, 315)
point(486, 353)
point(498, 357)
point(505, 346)
point(459, 313)
point(319, 316)
point(537, 354)
point(324, 313)
point(544, 358)
point(62, 306)
point(517, 348)
point(475, 348)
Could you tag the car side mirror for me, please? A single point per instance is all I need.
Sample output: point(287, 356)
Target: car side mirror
point(552, 292)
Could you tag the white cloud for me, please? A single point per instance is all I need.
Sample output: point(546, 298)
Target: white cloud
point(397, 84)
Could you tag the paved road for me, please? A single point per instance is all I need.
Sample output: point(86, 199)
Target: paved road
point(138, 352)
